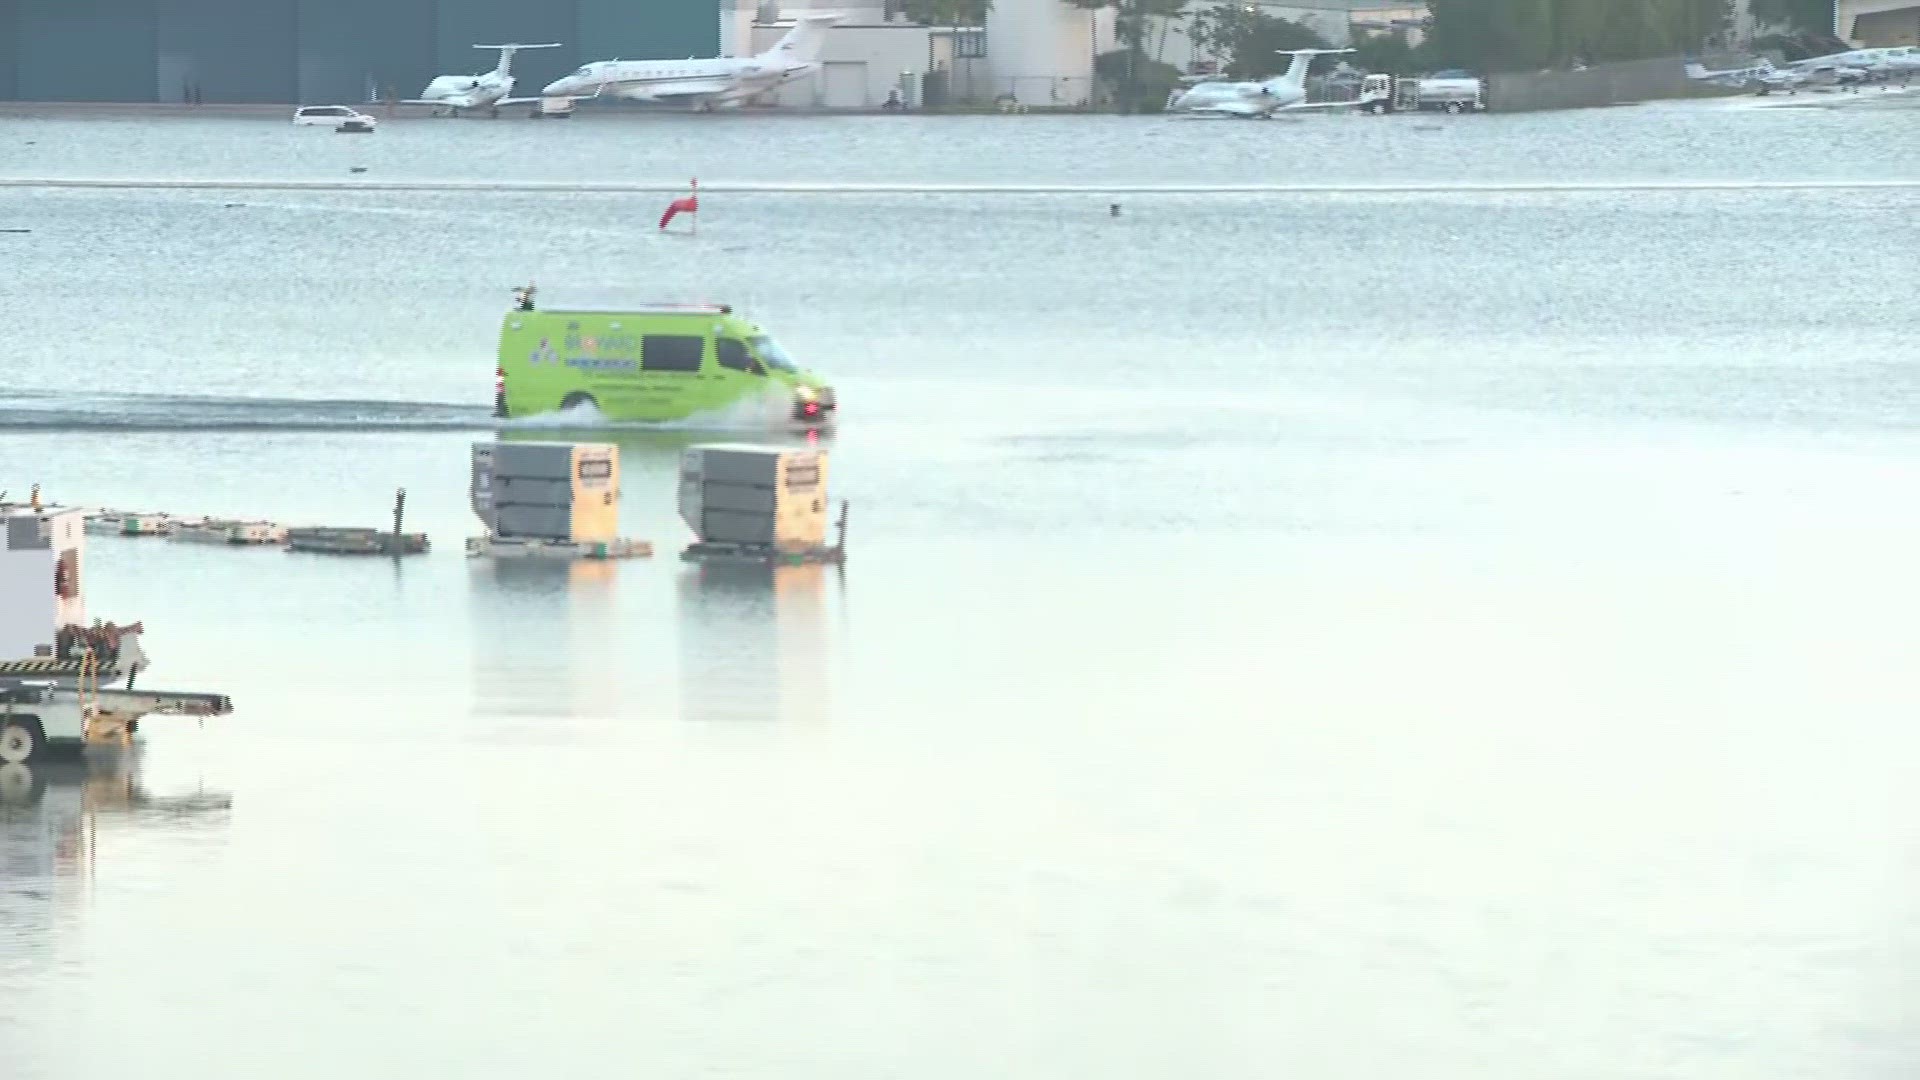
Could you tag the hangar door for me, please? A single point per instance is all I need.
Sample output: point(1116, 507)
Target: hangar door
point(843, 85)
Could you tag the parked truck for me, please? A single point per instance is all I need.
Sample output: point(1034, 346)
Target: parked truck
point(1444, 91)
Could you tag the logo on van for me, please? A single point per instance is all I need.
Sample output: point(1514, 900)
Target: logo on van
point(544, 354)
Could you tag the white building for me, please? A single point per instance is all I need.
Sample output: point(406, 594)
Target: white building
point(1039, 53)
point(861, 63)
point(868, 54)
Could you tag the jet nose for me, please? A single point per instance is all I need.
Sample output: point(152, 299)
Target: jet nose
point(556, 88)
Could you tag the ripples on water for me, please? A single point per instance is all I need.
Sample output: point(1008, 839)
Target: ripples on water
point(1326, 634)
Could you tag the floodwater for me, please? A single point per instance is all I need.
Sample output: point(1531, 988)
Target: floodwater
point(1465, 634)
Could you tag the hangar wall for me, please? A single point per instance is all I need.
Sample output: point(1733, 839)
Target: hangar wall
point(318, 51)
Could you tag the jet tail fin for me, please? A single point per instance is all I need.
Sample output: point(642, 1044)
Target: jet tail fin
point(803, 42)
point(505, 66)
point(1296, 73)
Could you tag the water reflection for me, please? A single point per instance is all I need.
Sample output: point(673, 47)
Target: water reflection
point(754, 643)
point(545, 637)
point(49, 819)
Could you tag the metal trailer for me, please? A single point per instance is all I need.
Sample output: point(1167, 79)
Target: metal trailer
point(38, 715)
point(54, 667)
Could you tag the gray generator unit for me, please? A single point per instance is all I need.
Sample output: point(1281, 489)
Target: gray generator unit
point(566, 492)
point(755, 496)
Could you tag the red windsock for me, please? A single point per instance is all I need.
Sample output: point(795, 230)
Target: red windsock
point(688, 204)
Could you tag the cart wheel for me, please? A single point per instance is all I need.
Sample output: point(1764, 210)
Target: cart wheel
point(20, 740)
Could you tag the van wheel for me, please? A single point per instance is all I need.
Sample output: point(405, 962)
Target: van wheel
point(1453, 107)
point(21, 738)
point(579, 397)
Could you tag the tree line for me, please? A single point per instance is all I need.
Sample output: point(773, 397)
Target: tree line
point(1509, 35)
point(1481, 35)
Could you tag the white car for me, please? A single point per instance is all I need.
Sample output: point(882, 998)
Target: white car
point(334, 116)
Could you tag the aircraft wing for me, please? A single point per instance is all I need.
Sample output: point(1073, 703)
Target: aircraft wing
point(427, 101)
point(531, 100)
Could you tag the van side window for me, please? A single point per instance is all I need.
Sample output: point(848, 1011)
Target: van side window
point(733, 354)
point(671, 352)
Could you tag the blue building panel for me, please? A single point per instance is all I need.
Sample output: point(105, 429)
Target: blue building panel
point(403, 51)
point(9, 46)
point(648, 29)
point(239, 51)
point(319, 51)
point(84, 50)
point(339, 62)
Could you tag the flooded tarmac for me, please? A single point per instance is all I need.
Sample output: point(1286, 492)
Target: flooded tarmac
point(1460, 633)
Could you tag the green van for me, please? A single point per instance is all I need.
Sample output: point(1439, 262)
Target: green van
point(653, 364)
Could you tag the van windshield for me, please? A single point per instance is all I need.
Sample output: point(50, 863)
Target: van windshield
point(771, 354)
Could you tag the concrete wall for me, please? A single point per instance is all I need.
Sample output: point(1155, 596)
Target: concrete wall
point(1040, 52)
point(1602, 84)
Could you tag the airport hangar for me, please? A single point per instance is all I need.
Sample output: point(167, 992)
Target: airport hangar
point(320, 51)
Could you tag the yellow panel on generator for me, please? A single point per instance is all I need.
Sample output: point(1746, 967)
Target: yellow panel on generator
point(803, 500)
point(596, 492)
point(755, 496)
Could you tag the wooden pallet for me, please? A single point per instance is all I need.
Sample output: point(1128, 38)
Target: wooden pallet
point(527, 548)
point(762, 554)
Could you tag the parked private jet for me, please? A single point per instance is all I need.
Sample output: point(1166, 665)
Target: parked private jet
point(451, 94)
point(1286, 92)
point(704, 84)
